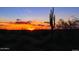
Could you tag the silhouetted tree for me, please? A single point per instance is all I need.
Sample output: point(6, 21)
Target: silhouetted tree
point(62, 24)
point(72, 24)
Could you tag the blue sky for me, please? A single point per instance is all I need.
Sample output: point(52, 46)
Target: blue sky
point(36, 13)
point(65, 12)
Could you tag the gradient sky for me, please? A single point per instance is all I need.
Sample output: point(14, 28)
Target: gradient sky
point(36, 13)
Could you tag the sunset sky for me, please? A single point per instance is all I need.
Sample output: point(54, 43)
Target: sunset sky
point(35, 13)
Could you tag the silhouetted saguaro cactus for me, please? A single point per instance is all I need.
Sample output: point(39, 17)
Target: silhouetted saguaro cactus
point(52, 19)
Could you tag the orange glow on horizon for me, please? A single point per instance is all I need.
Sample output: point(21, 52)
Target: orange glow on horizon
point(31, 29)
point(24, 26)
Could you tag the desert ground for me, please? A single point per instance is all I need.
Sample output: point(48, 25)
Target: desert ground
point(39, 40)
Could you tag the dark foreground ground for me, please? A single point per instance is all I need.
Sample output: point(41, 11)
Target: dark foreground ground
point(58, 40)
